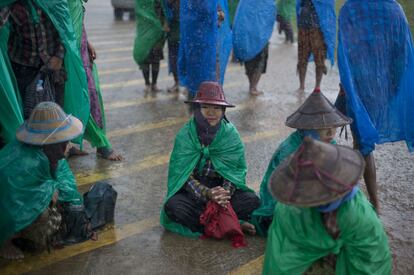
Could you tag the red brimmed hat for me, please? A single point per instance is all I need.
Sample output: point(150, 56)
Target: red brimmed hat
point(210, 93)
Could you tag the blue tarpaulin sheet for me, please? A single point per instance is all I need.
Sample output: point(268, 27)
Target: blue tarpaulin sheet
point(202, 41)
point(376, 64)
point(327, 22)
point(252, 27)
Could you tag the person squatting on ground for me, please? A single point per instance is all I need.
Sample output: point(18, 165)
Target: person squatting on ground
point(207, 164)
point(321, 215)
point(34, 46)
point(310, 42)
point(29, 202)
point(316, 117)
point(173, 40)
point(285, 13)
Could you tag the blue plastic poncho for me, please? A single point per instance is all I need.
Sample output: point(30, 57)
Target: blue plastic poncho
point(200, 40)
point(376, 64)
point(327, 21)
point(252, 27)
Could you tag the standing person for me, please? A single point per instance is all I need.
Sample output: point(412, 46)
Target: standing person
point(207, 164)
point(35, 178)
point(316, 117)
point(150, 39)
point(322, 214)
point(173, 39)
point(316, 37)
point(95, 131)
point(376, 66)
point(34, 46)
point(285, 13)
point(205, 43)
point(252, 29)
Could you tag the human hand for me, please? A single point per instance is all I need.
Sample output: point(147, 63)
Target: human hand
point(166, 27)
point(92, 52)
point(55, 63)
point(221, 16)
point(219, 195)
point(55, 197)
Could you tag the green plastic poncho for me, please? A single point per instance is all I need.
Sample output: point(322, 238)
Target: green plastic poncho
point(93, 133)
point(267, 202)
point(76, 101)
point(27, 186)
point(11, 116)
point(149, 30)
point(297, 238)
point(286, 9)
point(233, 4)
point(226, 152)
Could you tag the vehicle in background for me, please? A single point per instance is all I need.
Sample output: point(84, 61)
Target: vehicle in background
point(121, 6)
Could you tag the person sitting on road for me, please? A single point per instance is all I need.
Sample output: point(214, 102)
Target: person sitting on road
point(317, 118)
point(207, 164)
point(35, 177)
point(322, 216)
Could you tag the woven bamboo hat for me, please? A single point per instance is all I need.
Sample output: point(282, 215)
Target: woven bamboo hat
point(317, 112)
point(316, 174)
point(49, 124)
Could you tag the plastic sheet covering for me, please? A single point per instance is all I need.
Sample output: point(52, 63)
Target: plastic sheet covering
point(376, 64)
point(286, 9)
point(226, 153)
point(149, 30)
point(233, 4)
point(267, 202)
point(327, 21)
point(202, 42)
point(297, 238)
point(11, 116)
point(24, 197)
point(252, 27)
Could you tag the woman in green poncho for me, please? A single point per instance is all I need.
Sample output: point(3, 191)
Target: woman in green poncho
point(318, 118)
point(207, 164)
point(34, 177)
point(285, 12)
point(322, 215)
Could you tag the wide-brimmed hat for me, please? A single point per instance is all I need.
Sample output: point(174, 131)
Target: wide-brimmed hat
point(49, 124)
point(316, 174)
point(317, 112)
point(210, 93)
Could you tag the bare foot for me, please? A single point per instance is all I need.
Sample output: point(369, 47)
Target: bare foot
point(255, 92)
point(109, 154)
point(155, 89)
point(248, 228)
point(74, 151)
point(147, 89)
point(301, 89)
point(11, 252)
point(174, 89)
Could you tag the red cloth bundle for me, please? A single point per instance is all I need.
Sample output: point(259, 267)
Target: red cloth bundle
point(220, 223)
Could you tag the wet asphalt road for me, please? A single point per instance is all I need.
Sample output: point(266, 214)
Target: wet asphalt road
point(142, 127)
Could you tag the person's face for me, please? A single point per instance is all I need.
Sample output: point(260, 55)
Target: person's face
point(327, 135)
point(212, 113)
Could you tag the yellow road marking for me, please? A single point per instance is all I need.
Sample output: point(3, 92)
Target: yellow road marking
point(253, 267)
point(150, 162)
point(111, 105)
point(106, 238)
point(136, 82)
point(114, 50)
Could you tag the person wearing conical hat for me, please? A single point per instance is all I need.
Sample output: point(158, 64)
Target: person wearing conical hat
point(321, 212)
point(207, 164)
point(317, 118)
point(34, 177)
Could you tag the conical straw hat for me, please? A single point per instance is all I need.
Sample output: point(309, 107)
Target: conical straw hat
point(49, 124)
point(316, 174)
point(317, 112)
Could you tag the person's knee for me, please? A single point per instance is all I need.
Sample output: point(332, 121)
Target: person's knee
point(175, 210)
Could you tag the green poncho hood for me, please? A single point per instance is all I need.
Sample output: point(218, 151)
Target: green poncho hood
point(297, 238)
point(226, 152)
point(27, 186)
point(76, 101)
point(149, 30)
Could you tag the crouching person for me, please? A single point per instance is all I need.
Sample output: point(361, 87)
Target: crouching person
point(321, 214)
point(207, 164)
point(35, 178)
